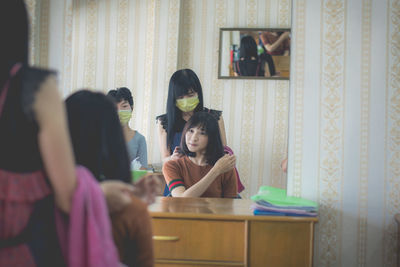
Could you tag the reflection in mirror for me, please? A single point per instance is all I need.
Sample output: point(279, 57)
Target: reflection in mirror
point(254, 53)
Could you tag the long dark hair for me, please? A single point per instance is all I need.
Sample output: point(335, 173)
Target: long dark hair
point(15, 36)
point(97, 137)
point(248, 47)
point(181, 82)
point(215, 149)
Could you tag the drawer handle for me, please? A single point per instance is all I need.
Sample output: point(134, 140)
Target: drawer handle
point(165, 238)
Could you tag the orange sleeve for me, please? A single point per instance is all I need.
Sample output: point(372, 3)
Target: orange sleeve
point(229, 184)
point(172, 175)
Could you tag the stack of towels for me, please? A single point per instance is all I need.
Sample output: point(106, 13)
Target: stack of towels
point(274, 201)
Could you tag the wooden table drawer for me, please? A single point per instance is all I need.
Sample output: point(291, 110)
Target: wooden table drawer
point(187, 239)
point(280, 244)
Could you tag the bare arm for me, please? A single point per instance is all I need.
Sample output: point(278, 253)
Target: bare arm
point(55, 144)
point(223, 165)
point(284, 165)
point(274, 46)
point(222, 130)
point(267, 73)
point(118, 194)
point(162, 138)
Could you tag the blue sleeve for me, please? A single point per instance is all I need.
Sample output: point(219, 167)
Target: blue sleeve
point(142, 152)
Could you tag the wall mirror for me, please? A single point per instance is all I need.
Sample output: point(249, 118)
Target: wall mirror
point(254, 53)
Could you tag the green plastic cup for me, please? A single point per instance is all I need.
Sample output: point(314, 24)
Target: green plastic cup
point(137, 174)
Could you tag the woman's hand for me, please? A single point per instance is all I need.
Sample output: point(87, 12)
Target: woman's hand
point(148, 187)
point(176, 154)
point(285, 35)
point(224, 164)
point(117, 194)
point(284, 165)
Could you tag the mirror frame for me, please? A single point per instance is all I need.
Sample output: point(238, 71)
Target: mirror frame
point(248, 77)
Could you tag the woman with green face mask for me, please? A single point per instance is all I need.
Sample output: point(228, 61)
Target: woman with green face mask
point(185, 97)
point(136, 142)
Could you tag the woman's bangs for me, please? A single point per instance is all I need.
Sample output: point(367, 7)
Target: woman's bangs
point(183, 88)
point(199, 124)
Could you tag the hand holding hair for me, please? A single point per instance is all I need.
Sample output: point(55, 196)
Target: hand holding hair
point(117, 194)
point(224, 164)
point(148, 187)
point(285, 35)
point(176, 154)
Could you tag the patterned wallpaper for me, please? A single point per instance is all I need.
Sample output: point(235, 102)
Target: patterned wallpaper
point(344, 126)
point(344, 97)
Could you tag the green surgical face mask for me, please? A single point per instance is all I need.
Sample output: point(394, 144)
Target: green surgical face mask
point(187, 104)
point(124, 116)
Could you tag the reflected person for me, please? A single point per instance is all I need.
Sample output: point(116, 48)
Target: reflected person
point(249, 63)
point(276, 43)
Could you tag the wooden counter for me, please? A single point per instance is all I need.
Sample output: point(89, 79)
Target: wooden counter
point(224, 232)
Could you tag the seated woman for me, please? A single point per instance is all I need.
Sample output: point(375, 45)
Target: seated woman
point(203, 170)
point(99, 145)
point(136, 142)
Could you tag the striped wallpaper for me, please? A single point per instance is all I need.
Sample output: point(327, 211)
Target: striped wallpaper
point(344, 95)
point(344, 126)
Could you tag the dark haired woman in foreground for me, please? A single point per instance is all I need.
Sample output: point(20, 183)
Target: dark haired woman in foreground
point(99, 145)
point(203, 170)
point(37, 169)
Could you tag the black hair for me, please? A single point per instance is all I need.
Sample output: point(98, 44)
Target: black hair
point(215, 148)
point(15, 35)
point(180, 84)
point(248, 47)
point(97, 136)
point(121, 94)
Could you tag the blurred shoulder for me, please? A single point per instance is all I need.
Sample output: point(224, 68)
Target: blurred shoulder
point(140, 136)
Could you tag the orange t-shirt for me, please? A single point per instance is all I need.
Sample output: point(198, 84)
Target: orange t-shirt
point(183, 172)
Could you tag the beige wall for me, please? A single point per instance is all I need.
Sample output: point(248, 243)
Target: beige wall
point(344, 126)
point(344, 97)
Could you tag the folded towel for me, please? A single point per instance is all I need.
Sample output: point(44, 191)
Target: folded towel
point(85, 235)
